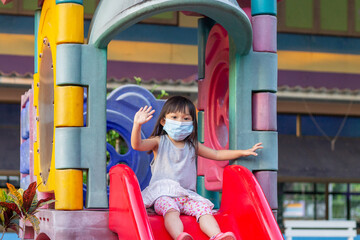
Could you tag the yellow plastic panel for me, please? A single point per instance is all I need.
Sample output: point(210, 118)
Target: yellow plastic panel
point(36, 89)
point(69, 189)
point(47, 31)
point(69, 104)
point(70, 23)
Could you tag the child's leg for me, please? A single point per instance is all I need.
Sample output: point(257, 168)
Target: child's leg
point(173, 223)
point(209, 225)
point(203, 215)
point(167, 207)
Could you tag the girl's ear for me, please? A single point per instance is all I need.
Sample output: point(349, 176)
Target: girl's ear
point(162, 121)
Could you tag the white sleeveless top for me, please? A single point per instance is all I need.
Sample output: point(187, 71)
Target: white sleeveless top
point(173, 173)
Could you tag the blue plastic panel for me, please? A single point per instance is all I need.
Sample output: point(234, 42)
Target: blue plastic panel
point(70, 1)
point(122, 104)
point(24, 157)
point(24, 184)
point(36, 28)
point(25, 127)
point(263, 7)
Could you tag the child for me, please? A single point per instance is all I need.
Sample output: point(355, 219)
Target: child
point(173, 183)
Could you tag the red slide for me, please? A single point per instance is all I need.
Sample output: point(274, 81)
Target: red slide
point(244, 209)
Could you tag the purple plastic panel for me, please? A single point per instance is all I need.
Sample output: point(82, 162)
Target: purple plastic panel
point(264, 33)
point(24, 157)
point(264, 111)
point(268, 183)
point(25, 121)
point(32, 136)
point(83, 224)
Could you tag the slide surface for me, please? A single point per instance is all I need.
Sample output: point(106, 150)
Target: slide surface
point(244, 209)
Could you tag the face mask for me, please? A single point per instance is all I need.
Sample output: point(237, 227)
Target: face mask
point(178, 130)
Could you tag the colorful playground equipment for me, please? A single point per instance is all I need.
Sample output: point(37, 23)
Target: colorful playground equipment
point(65, 137)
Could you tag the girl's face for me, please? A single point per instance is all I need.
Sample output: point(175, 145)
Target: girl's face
point(178, 116)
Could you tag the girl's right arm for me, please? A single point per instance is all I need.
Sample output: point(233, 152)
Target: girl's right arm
point(141, 117)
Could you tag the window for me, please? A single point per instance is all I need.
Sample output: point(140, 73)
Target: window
point(337, 17)
point(319, 201)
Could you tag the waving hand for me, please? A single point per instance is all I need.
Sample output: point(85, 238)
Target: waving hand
point(143, 115)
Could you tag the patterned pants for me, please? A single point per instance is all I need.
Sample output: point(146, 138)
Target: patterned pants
point(183, 205)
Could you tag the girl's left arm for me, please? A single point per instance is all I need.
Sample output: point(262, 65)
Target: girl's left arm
point(222, 155)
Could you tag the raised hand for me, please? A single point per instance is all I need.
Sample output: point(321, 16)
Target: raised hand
point(143, 115)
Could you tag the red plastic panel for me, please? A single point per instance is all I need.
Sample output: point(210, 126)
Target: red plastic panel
point(214, 99)
point(244, 209)
point(264, 112)
point(244, 200)
point(127, 215)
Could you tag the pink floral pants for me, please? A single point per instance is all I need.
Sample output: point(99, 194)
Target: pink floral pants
point(183, 205)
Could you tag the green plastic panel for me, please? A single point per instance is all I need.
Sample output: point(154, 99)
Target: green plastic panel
point(204, 27)
point(86, 66)
point(113, 17)
point(333, 15)
point(267, 158)
point(68, 148)
point(201, 127)
point(300, 14)
point(68, 64)
point(257, 73)
point(262, 67)
point(214, 197)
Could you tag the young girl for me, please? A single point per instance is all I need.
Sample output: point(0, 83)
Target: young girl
point(173, 183)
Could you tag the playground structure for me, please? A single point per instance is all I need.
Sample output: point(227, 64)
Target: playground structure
point(237, 107)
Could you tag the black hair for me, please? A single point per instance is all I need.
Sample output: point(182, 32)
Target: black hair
point(173, 105)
